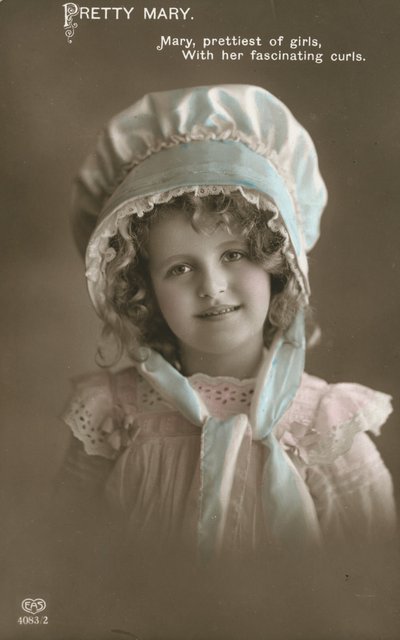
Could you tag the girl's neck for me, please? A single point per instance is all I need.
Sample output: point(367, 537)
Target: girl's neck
point(241, 365)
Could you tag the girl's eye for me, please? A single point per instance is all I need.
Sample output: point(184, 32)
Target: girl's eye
point(234, 256)
point(179, 270)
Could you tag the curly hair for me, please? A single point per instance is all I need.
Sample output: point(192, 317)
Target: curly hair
point(131, 314)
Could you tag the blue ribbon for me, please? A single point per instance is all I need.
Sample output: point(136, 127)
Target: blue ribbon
point(289, 510)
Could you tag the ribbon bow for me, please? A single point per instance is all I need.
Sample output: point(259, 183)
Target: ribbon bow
point(288, 507)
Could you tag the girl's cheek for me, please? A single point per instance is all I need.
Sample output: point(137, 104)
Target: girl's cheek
point(255, 277)
point(168, 297)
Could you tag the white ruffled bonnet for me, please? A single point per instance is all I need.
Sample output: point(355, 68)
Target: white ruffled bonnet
point(203, 140)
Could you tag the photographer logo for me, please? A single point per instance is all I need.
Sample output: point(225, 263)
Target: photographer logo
point(33, 605)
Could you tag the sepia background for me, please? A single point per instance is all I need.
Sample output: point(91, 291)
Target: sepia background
point(55, 98)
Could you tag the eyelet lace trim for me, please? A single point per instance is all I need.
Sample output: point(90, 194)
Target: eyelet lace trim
point(94, 434)
point(148, 399)
point(224, 395)
point(324, 443)
point(105, 429)
point(221, 395)
point(314, 438)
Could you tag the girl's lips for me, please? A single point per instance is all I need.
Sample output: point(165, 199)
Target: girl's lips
point(218, 312)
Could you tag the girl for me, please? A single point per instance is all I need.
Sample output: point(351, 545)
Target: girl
point(197, 210)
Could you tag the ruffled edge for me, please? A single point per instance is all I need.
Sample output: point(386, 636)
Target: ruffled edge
point(201, 133)
point(97, 418)
point(326, 438)
point(99, 253)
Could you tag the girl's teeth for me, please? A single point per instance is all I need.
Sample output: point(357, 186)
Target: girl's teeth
point(221, 311)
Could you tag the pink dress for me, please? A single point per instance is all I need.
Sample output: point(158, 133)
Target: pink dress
point(154, 473)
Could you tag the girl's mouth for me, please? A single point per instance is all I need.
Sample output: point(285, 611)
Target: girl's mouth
point(216, 312)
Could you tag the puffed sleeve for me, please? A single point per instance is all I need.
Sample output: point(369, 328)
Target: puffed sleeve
point(90, 414)
point(351, 487)
point(101, 416)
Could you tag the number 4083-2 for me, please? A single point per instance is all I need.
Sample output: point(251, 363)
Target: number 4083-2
point(33, 620)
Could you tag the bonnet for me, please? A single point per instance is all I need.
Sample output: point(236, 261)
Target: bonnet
point(211, 140)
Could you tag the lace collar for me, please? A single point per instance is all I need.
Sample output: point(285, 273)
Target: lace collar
point(224, 395)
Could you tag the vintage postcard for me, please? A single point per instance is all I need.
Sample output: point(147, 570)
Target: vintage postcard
point(220, 170)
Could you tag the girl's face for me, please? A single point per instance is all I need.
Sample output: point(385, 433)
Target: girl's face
point(212, 296)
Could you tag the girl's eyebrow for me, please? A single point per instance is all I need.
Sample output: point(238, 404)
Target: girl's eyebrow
point(182, 257)
point(179, 257)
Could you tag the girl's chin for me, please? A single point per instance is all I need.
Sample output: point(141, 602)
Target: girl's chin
point(224, 358)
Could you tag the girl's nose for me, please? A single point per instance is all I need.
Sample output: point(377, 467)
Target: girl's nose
point(212, 284)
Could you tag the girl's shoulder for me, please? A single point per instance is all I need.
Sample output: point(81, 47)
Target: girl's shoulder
point(319, 426)
point(99, 402)
point(324, 418)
